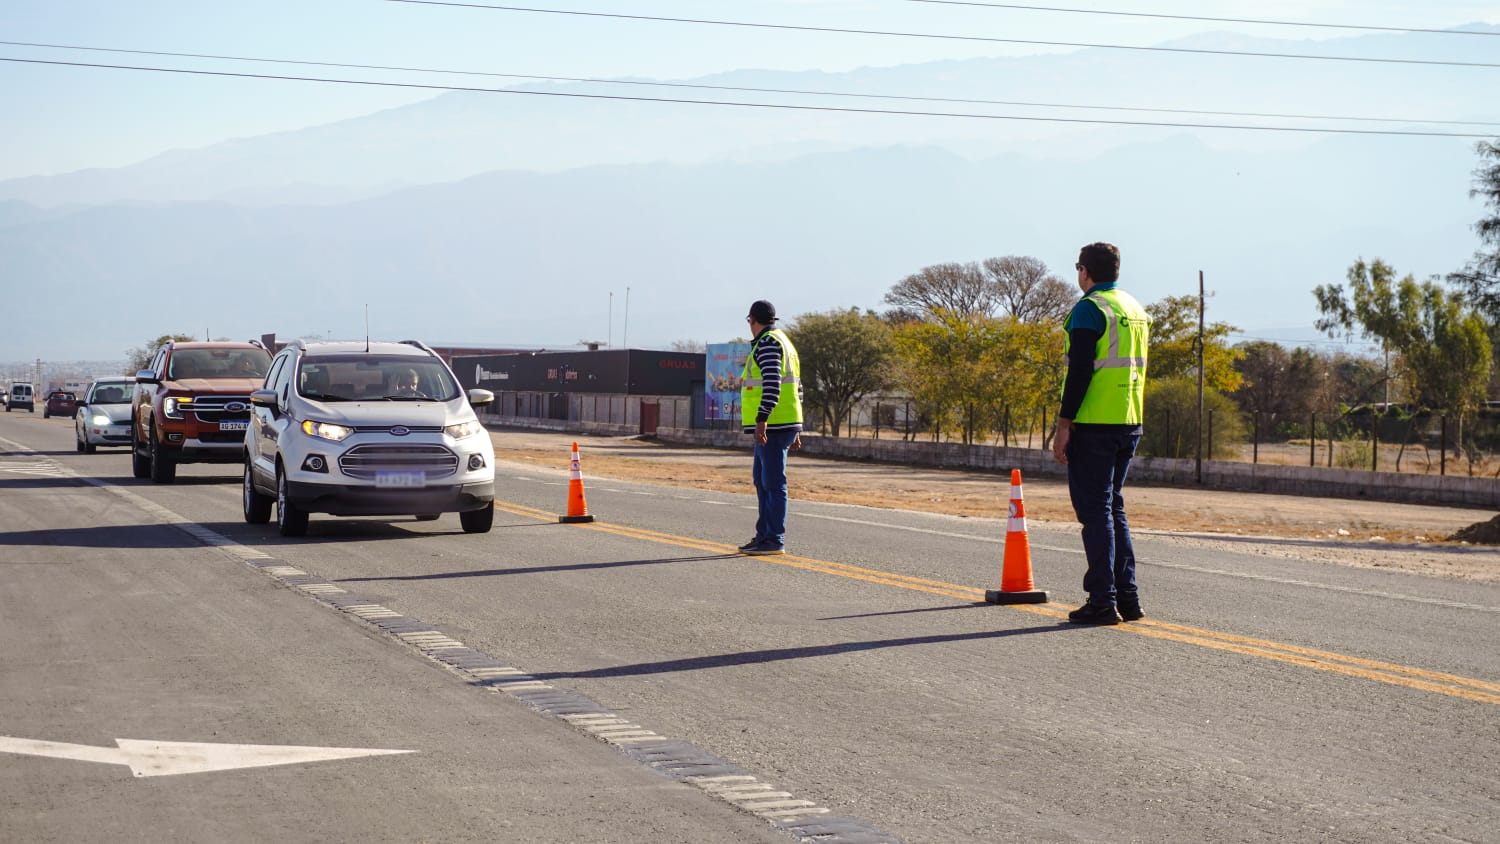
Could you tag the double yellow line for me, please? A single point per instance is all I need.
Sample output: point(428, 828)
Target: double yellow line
point(1479, 691)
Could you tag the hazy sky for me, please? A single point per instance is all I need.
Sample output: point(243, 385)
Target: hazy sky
point(60, 119)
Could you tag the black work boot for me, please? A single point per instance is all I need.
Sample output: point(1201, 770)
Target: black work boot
point(1092, 613)
point(1130, 609)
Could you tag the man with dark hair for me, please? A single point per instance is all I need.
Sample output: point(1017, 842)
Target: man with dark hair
point(1099, 426)
point(771, 409)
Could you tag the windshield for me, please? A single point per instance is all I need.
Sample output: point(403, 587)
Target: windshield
point(217, 363)
point(110, 394)
point(374, 377)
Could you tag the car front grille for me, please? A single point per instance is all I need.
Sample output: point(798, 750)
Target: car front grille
point(410, 429)
point(364, 461)
point(217, 408)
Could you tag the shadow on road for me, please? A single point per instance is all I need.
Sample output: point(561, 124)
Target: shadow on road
point(779, 654)
point(944, 608)
point(448, 575)
point(117, 536)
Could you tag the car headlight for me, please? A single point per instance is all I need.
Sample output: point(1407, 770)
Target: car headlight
point(326, 430)
point(101, 420)
point(173, 407)
point(464, 429)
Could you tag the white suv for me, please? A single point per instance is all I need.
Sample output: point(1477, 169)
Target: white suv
point(366, 429)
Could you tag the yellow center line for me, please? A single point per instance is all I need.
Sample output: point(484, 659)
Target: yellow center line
point(1480, 691)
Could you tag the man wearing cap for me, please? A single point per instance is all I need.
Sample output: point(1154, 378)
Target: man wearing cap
point(771, 409)
point(1099, 426)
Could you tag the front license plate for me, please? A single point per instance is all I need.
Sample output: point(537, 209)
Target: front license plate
point(234, 426)
point(400, 479)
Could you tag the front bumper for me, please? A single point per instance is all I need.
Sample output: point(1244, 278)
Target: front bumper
point(117, 434)
point(225, 447)
point(351, 500)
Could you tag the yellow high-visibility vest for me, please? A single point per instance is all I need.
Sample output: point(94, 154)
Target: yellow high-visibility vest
point(1116, 395)
point(788, 410)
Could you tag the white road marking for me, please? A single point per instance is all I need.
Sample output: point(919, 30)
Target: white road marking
point(169, 758)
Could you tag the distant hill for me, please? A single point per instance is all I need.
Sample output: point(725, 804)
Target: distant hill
point(531, 259)
point(458, 135)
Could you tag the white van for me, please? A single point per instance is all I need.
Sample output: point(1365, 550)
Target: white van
point(20, 397)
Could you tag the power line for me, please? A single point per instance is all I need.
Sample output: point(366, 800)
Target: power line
point(944, 37)
point(1263, 21)
point(736, 104)
point(747, 89)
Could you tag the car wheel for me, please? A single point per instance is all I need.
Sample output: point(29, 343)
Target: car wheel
point(163, 461)
point(478, 521)
point(140, 461)
point(257, 503)
point(89, 448)
point(290, 520)
point(428, 517)
point(79, 442)
point(46, 414)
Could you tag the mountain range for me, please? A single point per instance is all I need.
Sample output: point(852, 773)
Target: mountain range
point(523, 220)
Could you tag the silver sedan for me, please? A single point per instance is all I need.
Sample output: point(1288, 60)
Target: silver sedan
point(103, 416)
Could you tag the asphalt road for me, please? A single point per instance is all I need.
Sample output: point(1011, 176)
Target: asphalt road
point(635, 680)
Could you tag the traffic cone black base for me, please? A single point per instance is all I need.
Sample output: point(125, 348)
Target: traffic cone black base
point(995, 596)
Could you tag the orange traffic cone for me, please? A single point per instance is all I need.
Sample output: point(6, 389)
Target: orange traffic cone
point(1015, 577)
point(578, 508)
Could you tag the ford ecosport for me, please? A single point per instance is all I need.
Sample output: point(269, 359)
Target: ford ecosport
point(366, 429)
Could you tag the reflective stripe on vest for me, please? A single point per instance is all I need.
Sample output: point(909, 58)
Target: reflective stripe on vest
point(788, 410)
point(1116, 394)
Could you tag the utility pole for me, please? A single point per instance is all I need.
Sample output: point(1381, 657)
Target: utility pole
point(625, 338)
point(1198, 342)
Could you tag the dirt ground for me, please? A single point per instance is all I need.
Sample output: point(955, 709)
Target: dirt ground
point(1405, 537)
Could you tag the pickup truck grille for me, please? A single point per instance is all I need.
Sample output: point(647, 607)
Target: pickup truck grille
point(363, 461)
point(217, 408)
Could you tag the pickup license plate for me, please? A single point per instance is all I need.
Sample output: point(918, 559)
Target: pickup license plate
point(400, 479)
point(234, 426)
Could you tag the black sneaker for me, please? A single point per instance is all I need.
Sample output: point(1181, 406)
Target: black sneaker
point(765, 549)
point(1131, 611)
point(1094, 614)
point(752, 543)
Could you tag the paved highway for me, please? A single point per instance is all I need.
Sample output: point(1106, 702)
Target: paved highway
point(635, 680)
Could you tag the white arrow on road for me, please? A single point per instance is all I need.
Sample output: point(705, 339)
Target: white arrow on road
point(165, 758)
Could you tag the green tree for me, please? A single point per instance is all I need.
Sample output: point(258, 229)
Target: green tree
point(945, 363)
point(140, 357)
point(1174, 345)
point(846, 355)
point(1171, 428)
point(1443, 348)
point(1480, 280)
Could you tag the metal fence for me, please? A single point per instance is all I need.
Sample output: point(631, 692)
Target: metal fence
point(1387, 440)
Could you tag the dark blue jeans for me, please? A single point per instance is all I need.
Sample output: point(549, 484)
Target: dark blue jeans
point(770, 485)
point(1098, 459)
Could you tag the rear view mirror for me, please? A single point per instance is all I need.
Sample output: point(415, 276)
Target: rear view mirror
point(480, 398)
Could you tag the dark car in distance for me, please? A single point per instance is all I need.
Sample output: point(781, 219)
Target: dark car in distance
point(60, 403)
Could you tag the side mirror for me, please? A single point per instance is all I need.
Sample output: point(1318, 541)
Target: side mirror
point(264, 398)
point(480, 398)
point(147, 376)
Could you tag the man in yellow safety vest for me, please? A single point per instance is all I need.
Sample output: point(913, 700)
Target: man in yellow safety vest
point(1099, 427)
point(771, 409)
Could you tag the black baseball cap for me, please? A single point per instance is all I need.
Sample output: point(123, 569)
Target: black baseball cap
point(763, 312)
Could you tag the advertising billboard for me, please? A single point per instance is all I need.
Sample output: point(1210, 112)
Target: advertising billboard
point(726, 368)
